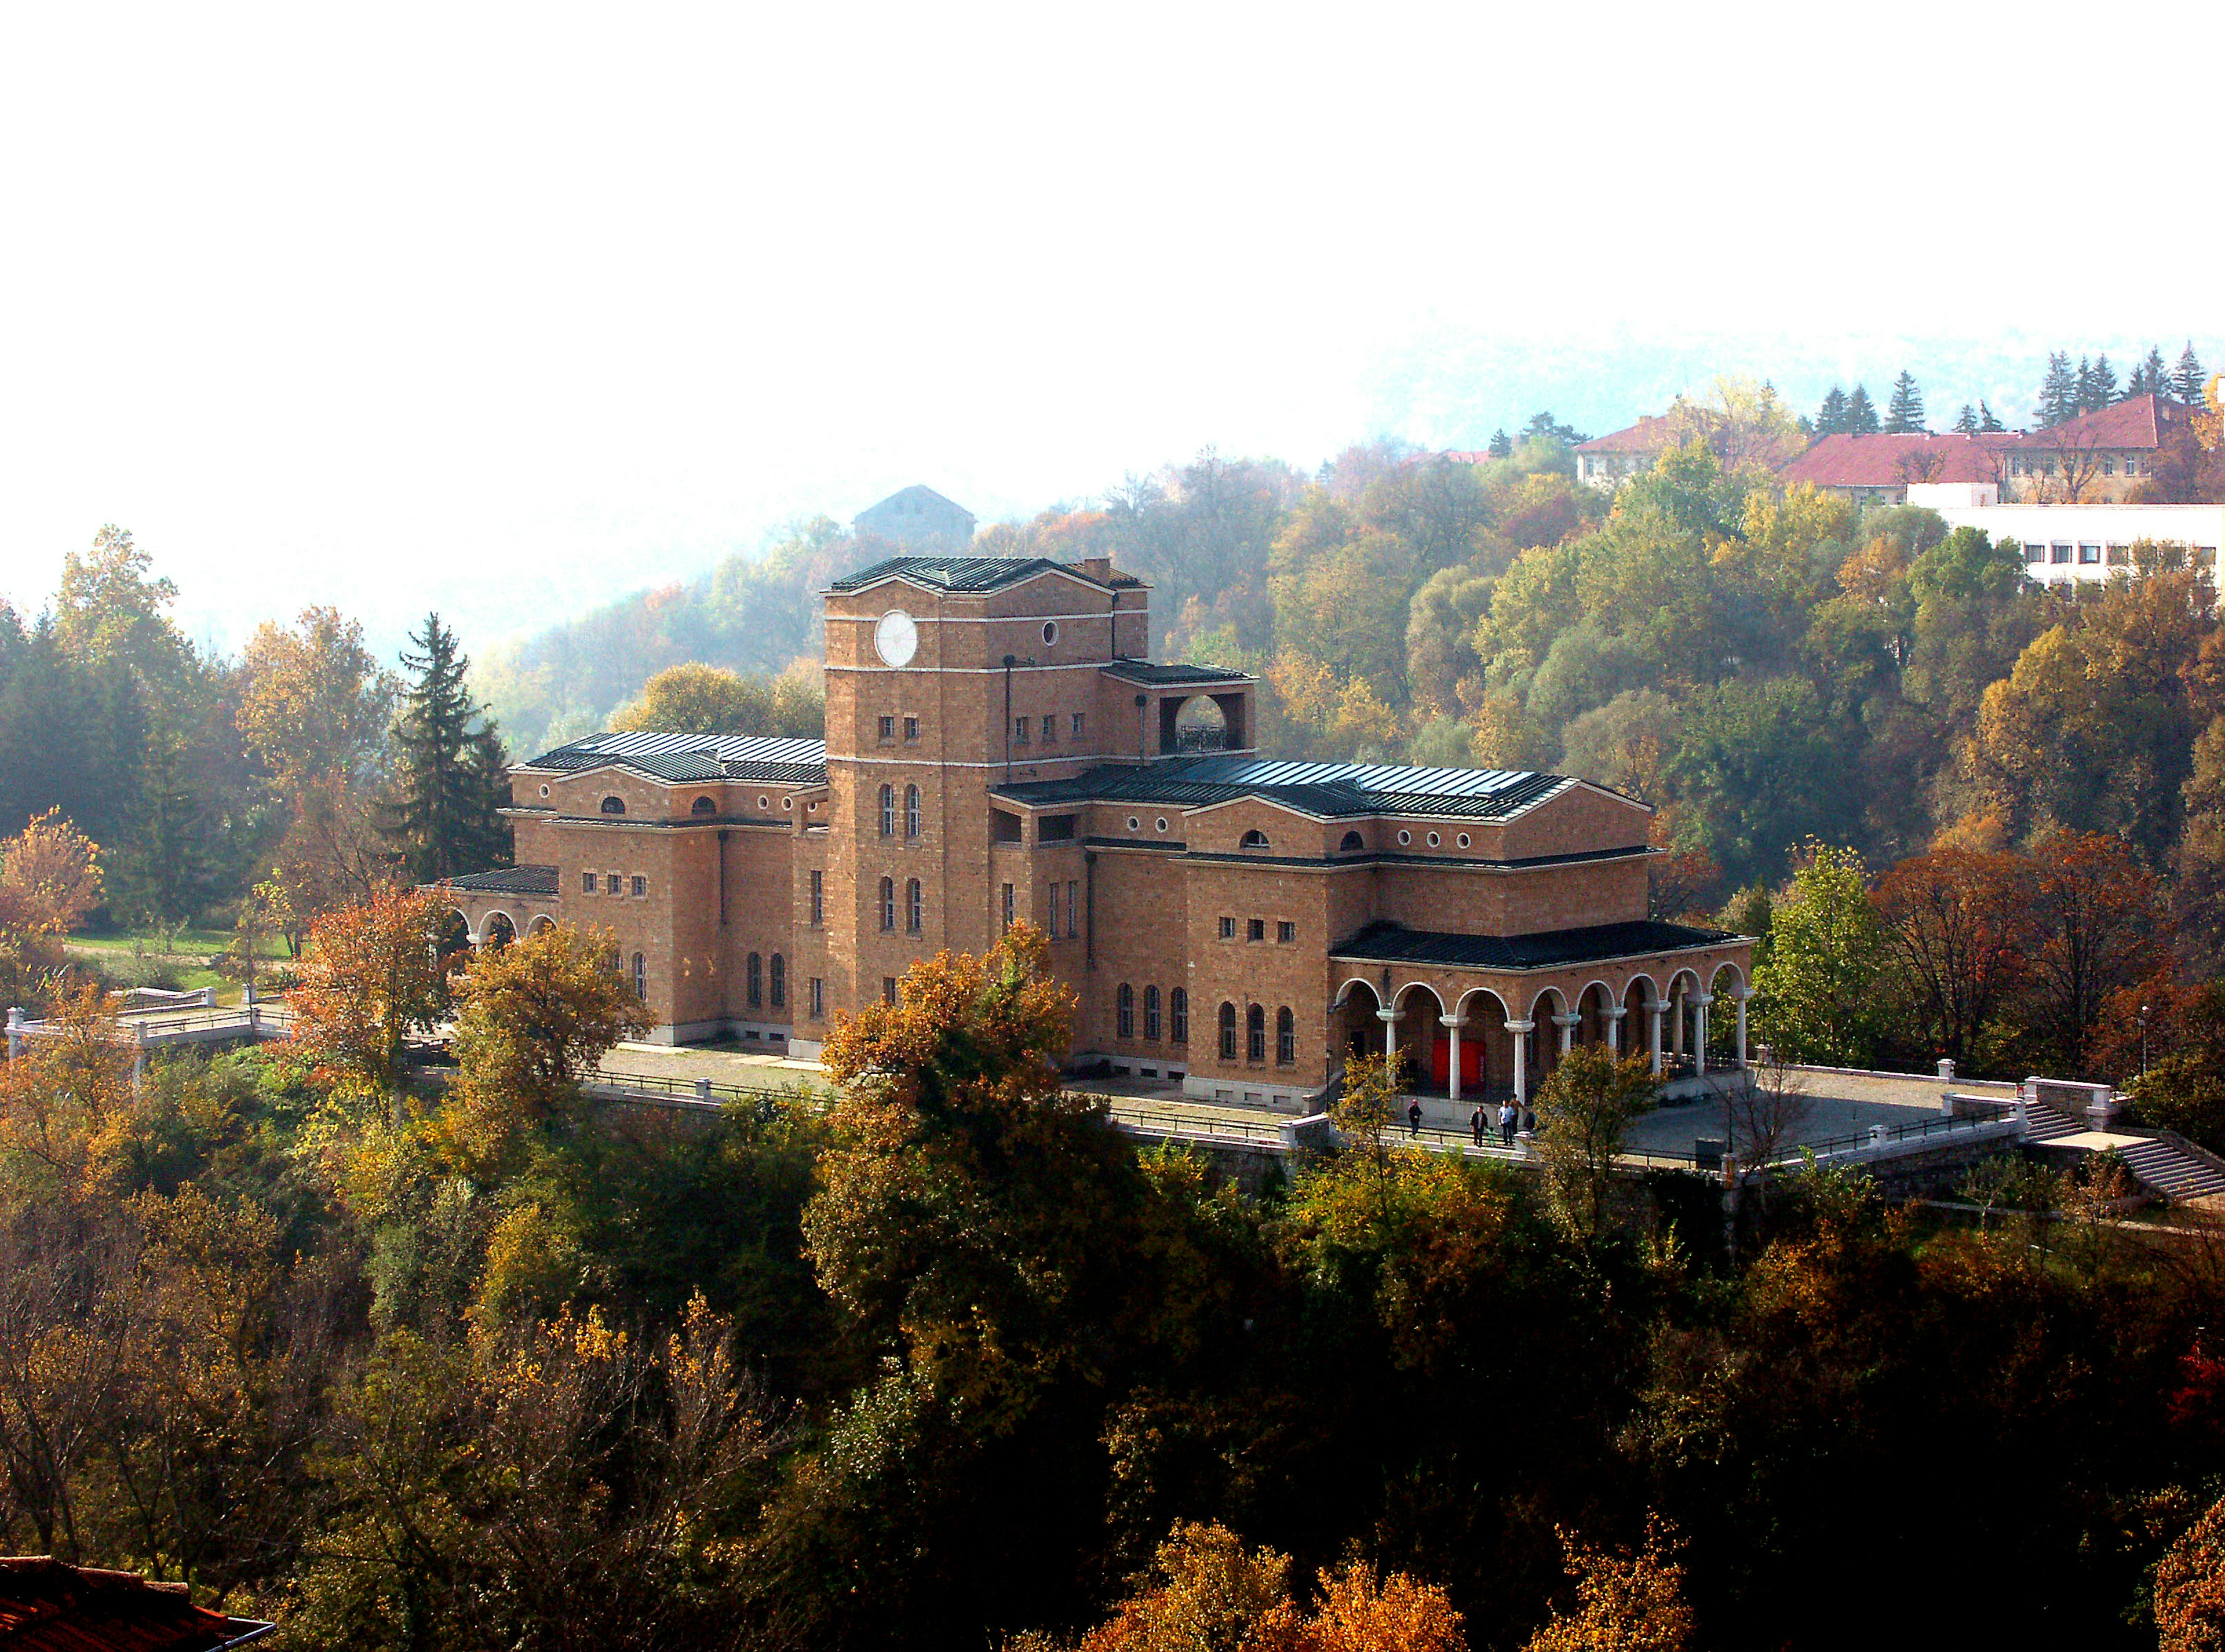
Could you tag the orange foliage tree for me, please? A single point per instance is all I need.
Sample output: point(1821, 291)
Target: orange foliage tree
point(2189, 1587)
point(1956, 923)
point(1627, 1601)
point(49, 880)
point(374, 976)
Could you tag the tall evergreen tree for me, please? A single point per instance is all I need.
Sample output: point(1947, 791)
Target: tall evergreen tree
point(448, 786)
point(2082, 396)
point(1502, 445)
point(2102, 387)
point(2151, 378)
point(1861, 414)
point(1987, 423)
point(1904, 414)
point(1966, 423)
point(2188, 380)
point(2058, 391)
point(1831, 417)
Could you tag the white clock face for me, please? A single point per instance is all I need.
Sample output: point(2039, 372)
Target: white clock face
point(896, 639)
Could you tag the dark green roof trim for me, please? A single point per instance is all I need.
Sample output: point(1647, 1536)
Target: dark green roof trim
point(1154, 674)
point(1323, 790)
point(505, 880)
point(1390, 943)
point(679, 759)
point(969, 573)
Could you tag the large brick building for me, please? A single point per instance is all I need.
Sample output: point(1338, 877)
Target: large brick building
point(998, 750)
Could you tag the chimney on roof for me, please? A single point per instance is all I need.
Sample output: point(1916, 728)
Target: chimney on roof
point(1099, 568)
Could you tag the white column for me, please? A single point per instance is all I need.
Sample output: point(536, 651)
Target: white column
point(1614, 1031)
point(1521, 1031)
point(1740, 996)
point(1679, 1001)
point(1699, 1002)
point(1454, 1022)
point(1389, 1020)
point(1568, 1026)
point(1657, 1009)
point(15, 1031)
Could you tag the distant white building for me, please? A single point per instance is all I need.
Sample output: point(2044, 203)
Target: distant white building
point(2080, 543)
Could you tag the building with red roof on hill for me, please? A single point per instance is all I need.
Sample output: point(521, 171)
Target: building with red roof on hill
point(2097, 458)
point(47, 1605)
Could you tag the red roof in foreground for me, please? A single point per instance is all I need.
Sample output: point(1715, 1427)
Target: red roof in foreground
point(46, 1606)
point(2139, 422)
point(1896, 461)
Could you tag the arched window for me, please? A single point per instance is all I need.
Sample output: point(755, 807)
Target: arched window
point(912, 811)
point(1352, 840)
point(614, 806)
point(756, 980)
point(1253, 840)
point(888, 811)
point(1151, 1013)
point(704, 806)
point(1286, 1037)
point(779, 982)
point(1228, 1032)
point(1255, 1033)
point(888, 904)
point(1178, 1015)
point(1127, 1016)
point(915, 907)
point(641, 978)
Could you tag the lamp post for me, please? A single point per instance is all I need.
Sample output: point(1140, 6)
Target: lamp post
point(2144, 1041)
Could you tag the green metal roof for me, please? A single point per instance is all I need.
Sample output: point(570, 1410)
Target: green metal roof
point(1325, 790)
point(966, 574)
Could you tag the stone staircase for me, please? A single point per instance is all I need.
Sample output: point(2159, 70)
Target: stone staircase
point(2173, 1170)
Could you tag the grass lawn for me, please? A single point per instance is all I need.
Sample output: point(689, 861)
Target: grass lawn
point(180, 956)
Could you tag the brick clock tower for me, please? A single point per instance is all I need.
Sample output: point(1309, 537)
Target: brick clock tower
point(945, 678)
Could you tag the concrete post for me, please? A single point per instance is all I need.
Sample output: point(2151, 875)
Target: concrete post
point(1389, 1020)
point(1699, 1002)
point(1614, 1031)
point(1679, 1000)
point(15, 1031)
point(1521, 1031)
point(703, 1091)
point(1657, 1009)
point(138, 1056)
point(1454, 1023)
point(1568, 1026)
point(1741, 996)
point(208, 998)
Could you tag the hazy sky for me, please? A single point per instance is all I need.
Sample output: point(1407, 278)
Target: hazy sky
point(506, 311)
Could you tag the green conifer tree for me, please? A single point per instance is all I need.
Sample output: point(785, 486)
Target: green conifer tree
point(1861, 414)
point(1904, 414)
point(1987, 423)
point(2188, 380)
point(1502, 445)
point(1966, 423)
point(2058, 391)
point(1831, 417)
point(2104, 383)
point(448, 783)
point(2151, 378)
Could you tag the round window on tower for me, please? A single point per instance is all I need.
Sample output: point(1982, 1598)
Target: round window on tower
point(1405, 837)
point(1134, 824)
point(1434, 840)
point(1050, 632)
point(1462, 839)
point(1161, 823)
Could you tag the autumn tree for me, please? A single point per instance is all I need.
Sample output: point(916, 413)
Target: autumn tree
point(314, 703)
point(1626, 1600)
point(1584, 1110)
point(2094, 911)
point(49, 882)
point(1955, 927)
point(1819, 987)
point(2190, 1587)
point(697, 699)
point(372, 978)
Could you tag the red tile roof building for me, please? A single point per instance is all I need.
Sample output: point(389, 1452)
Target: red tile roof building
point(48, 1607)
point(2095, 458)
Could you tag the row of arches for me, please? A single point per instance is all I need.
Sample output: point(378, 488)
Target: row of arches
point(908, 819)
point(1255, 1035)
point(499, 929)
point(1481, 1047)
point(914, 906)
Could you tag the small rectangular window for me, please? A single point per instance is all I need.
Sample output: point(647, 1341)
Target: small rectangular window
point(1019, 730)
point(1050, 731)
point(640, 886)
point(2058, 553)
point(1008, 906)
point(1055, 828)
point(1054, 908)
point(1286, 932)
point(1073, 907)
point(2131, 465)
point(611, 885)
point(888, 728)
point(2108, 465)
point(1228, 929)
point(888, 989)
point(818, 998)
point(587, 883)
point(911, 728)
point(2089, 555)
point(1077, 725)
point(818, 898)
point(2035, 554)
point(1255, 930)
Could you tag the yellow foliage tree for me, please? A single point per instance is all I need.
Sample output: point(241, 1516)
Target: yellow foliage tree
point(1625, 1601)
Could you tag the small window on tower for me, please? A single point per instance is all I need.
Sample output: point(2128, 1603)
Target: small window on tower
point(888, 728)
point(911, 728)
point(1077, 725)
point(1050, 731)
point(1019, 730)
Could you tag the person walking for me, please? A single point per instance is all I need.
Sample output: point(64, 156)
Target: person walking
point(1475, 1124)
point(1507, 1124)
point(1413, 1118)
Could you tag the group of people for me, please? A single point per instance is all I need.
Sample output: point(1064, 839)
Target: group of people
point(1511, 1120)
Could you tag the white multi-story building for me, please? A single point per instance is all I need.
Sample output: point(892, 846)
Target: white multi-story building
point(2076, 543)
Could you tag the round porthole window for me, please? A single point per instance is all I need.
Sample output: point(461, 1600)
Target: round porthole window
point(1134, 824)
point(544, 791)
point(1161, 823)
point(788, 803)
point(1433, 840)
point(764, 802)
point(1463, 839)
point(1405, 837)
point(1050, 631)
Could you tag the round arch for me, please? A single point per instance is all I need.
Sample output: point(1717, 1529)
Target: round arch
point(1472, 997)
point(498, 930)
point(542, 921)
point(1200, 724)
point(1355, 1029)
point(1727, 967)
